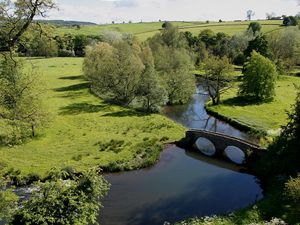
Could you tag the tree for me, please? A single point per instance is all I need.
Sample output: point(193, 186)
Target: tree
point(283, 155)
point(16, 17)
point(290, 21)
point(151, 92)
point(64, 199)
point(217, 77)
point(259, 78)
point(171, 36)
point(258, 44)
point(255, 27)
point(250, 13)
point(237, 46)
point(80, 42)
point(174, 67)
point(20, 101)
point(208, 37)
point(284, 48)
point(114, 71)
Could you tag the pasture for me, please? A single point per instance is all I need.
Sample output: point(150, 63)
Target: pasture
point(146, 30)
point(85, 131)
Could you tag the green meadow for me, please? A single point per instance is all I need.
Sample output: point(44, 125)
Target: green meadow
point(268, 116)
point(146, 30)
point(85, 131)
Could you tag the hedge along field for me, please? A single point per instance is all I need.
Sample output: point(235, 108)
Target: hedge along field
point(146, 30)
point(267, 117)
point(85, 131)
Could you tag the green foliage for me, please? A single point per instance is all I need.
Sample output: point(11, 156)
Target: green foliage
point(284, 155)
point(64, 201)
point(255, 27)
point(177, 76)
point(174, 64)
point(21, 108)
point(259, 79)
point(8, 202)
point(80, 119)
point(285, 48)
point(16, 17)
point(80, 42)
point(290, 21)
point(151, 91)
point(114, 71)
point(258, 44)
point(216, 76)
point(293, 193)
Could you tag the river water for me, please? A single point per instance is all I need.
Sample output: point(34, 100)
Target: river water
point(184, 183)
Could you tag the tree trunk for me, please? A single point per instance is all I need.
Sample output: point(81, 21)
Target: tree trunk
point(32, 131)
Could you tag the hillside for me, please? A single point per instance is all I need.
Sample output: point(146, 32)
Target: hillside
point(146, 30)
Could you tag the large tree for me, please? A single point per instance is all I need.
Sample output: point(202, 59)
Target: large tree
point(258, 44)
point(151, 91)
point(114, 71)
point(259, 78)
point(217, 77)
point(284, 48)
point(16, 17)
point(21, 104)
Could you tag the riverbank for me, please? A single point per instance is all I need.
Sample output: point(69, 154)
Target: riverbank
point(85, 131)
point(263, 119)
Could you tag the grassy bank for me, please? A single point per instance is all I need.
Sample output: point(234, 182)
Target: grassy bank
point(85, 131)
point(146, 30)
point(267, 117)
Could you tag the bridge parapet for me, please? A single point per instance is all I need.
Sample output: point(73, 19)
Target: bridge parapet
point(212, 143)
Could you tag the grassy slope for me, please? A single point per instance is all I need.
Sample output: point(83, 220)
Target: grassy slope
point(146, 30)
point(80, 120)
point(267, 116)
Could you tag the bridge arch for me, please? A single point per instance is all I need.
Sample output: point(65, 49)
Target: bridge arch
point(220, 145)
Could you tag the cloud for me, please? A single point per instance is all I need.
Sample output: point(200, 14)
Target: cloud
point(105, 11)
point(126, 3)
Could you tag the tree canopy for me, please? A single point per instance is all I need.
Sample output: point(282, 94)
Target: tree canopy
point(259, 78)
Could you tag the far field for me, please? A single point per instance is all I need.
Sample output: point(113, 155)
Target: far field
point(85, 131)
point(267, 117)
point(146, 30)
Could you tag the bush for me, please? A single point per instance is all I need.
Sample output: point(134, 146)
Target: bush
point(66, 53)
point(71, 201)
point(293, 193)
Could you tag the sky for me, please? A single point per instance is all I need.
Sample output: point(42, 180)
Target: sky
point(106, 11)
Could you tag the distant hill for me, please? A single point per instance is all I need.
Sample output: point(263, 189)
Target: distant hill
point(66, 22)
point(148, 29)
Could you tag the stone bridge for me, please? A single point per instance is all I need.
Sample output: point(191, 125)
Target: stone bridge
point(220, 145)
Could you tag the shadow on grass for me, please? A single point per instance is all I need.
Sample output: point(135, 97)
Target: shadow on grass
point(75, 87)
point(242, 101)
point(78, 108)
point(126, 113)
point(79, 77)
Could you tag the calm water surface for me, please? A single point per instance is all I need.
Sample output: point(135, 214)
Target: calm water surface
point(184, 183)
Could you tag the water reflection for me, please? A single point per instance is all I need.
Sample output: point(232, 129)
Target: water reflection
point(235, 154)
point(206, 146)
point(193, 115)
point(180, 186)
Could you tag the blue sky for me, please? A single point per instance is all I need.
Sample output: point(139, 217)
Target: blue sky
point(105, 11)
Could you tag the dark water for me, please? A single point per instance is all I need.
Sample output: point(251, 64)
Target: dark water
point(194, 115)
point(184, 183)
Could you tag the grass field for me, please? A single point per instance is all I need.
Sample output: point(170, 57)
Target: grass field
point(146, 30)
point(85, 131)
point(268, 117)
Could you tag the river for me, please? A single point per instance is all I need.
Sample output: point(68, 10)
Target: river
point(184, 183)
